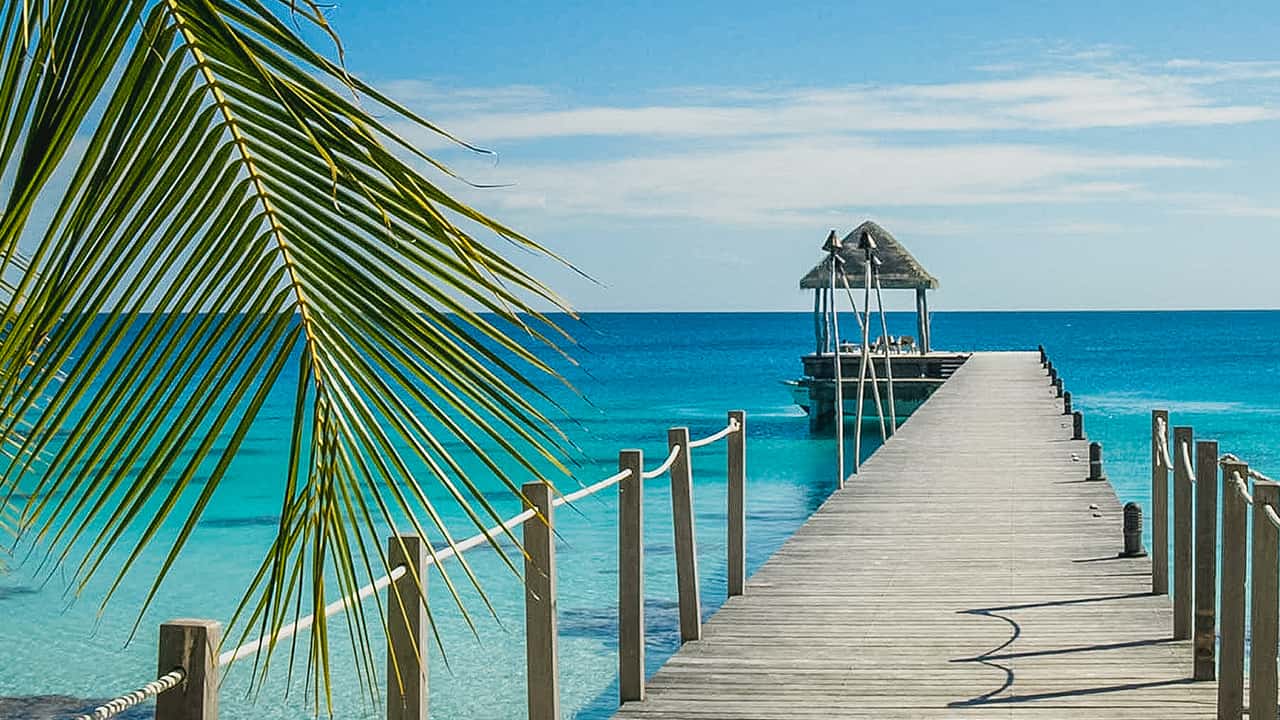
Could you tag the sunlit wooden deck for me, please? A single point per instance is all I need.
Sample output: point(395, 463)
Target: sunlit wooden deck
point(969, 570)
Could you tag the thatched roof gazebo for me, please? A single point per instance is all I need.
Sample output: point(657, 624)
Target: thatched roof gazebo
point(898, 270)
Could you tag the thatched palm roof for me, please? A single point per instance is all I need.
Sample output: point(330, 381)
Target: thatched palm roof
point(898, 269)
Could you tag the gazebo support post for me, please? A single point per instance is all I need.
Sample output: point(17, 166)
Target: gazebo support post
point(817, 321)
point(922, 319)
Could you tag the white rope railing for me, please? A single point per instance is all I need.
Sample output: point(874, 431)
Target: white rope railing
point(732, 427)
point(396, 573)
point(476, 540)
point(665, 466)
point(118, 705)
point(171, 679)
point(1185, 456)
point(592, 489)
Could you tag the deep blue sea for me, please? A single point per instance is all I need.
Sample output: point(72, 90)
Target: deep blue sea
point(640, 374)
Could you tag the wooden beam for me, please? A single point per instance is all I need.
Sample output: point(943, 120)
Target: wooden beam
point(922, 321)
point(1264, 604)
point(1182, 571)
point(631, 577)
point(541, 636)
point(1206, 560)
point(1159, 508)
point(737, 541)
point(408, 630)
point(193, 646)
point(1235, 529)
point(684, 539)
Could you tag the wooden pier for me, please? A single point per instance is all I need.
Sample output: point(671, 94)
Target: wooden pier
point(969, 570)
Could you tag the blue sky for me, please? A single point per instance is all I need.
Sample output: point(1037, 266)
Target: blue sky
point(692, 156)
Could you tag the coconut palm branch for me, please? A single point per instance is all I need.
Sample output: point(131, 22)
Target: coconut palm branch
point(236, 220)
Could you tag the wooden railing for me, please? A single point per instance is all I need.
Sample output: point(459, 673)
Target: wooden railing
point(1246, 509)
point(189, 654)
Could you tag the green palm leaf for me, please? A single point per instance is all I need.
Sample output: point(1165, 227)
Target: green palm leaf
point(235, 216)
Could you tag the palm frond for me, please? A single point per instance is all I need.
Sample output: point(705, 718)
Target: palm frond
point(237, 220)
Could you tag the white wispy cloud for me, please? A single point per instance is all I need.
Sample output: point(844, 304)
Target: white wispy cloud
point(785, 180)
point(1174, 93)
point(1016, 135)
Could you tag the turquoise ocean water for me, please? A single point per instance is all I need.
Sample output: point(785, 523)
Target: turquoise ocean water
point(1217, 371)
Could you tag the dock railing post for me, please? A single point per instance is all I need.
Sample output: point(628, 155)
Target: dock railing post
point(542, 656)
point(1159, 507)
point(1066, 403)
point(408, 630)
point(193, 646)
point(1182, 572)
point(1077, 425)
point(1264, 611)
point(685, 541)
point(1206, 558)
point(737, 467)
point(1234, 535)
point(631, 577)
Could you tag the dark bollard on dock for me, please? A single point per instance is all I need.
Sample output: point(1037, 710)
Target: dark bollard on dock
point(1077, 425)
point(1095, 462)
point(1066, 403)
point(1133, 531)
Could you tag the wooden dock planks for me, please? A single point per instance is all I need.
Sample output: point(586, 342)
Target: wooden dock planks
point(961, 574)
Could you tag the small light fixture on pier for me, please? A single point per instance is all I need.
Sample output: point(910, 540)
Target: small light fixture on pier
point(1133, 531)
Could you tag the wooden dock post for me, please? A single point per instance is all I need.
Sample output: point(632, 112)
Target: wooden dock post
point(1264, 612)
point(1182, 572)
point(1235, 530)
point(408, 630)
point(1206, 559)
point(737, 453)
point(193, 646)
point(685, 541)
point(541, 636)
point(631, 577)
point(1159, 508)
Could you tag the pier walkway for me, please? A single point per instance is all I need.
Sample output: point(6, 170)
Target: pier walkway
point(968, 571)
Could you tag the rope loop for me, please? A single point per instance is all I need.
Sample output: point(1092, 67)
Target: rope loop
point(1270, 512)
point(1161, 440)
point(1185, 457)
point(732, 427)
point(1242, 488)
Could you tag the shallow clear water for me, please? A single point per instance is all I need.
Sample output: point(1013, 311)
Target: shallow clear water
point(642, 373)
